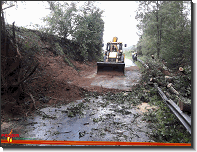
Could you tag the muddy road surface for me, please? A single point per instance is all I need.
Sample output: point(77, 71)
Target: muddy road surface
point(113, 80)
point(94, 118)
point(90, 119)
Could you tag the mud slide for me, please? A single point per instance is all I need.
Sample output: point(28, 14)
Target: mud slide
point(88, 119)
point(113, 79)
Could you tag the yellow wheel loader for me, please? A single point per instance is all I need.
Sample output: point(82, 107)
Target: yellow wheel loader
point(114, 59)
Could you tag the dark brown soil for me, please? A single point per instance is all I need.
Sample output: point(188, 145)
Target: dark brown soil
point(56, 79)
point(67, 83)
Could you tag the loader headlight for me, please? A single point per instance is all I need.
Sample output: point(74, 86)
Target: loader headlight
point(121, 51)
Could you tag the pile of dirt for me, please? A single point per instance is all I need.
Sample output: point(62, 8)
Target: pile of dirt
point(62, 82)
point(55, 82)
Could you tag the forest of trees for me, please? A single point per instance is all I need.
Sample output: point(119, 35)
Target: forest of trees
point(83, 25)
point(165, 31)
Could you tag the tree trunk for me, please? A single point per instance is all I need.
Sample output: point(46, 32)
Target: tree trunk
point(172, 90)
point(168, 79)
point(154, 80)
point(158, 43)
point(185, 107)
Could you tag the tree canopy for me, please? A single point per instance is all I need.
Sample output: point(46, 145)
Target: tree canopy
point(165, 30)
point(82, 25)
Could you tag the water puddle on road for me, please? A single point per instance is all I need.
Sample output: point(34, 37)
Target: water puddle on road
point(92, 120)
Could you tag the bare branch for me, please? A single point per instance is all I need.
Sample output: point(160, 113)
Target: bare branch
point(16, 84)
point(8, 7)
point(32, 100)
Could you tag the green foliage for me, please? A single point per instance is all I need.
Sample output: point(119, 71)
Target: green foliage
point(183, 83)
point(165, 31)
point(66, 59)
point(76, 109)
point(89, 31)
point(59, 49)
point(166, 127)
point(61, 17)
point(164, 124)
point(84, 26)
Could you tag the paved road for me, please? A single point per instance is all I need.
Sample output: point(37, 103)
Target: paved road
point(96, 121)
point(132, 76)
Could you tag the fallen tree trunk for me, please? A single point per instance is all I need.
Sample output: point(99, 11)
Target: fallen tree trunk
point(168, 79)
point(184, 118)
point(185, 107)
point(154, 80)
point(172, 90)
point(34, 102)
point(142, 62)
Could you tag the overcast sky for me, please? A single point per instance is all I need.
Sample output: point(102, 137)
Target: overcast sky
point(119, 18)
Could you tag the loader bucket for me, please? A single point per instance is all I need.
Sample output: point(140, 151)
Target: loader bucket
point(103, 67)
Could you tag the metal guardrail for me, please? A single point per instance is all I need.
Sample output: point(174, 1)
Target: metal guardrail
point(183, 118)
point(145, 65)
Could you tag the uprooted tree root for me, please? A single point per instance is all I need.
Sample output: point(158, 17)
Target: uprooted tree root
point(13, 74)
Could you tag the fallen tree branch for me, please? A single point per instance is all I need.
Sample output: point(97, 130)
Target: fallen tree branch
point(168, 79)
point(27, 71)
point(8, 7)
point(33, 100)
point(184, 119)
point(172, 90)
point(154, 80)
point(14, 40)
point(16, 84)
point(26, 113)
point(142, 62)
point(185, 107)
point(12, 68)
point(17, 50)
point(3, 81)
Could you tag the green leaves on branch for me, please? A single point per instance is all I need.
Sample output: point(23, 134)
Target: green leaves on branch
point(89, 31)
point(83, 25)
point(60, 20)
point(165, 30)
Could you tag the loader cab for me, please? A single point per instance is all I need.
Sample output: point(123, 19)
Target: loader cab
point(114, 46)
point(113, 59)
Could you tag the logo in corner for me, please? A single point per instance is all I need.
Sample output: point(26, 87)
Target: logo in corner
point(9, 139)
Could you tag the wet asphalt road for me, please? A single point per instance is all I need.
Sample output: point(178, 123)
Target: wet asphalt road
point(131, 77)
point(95, 120)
